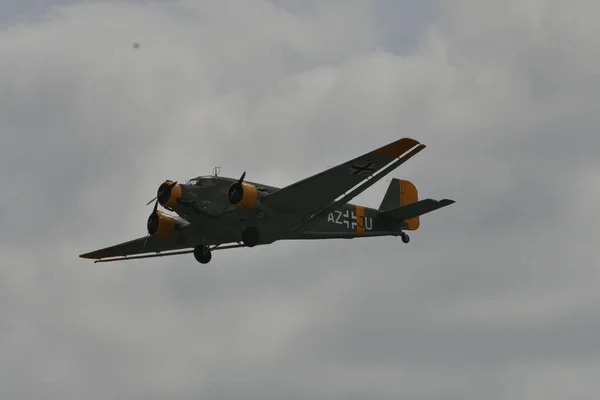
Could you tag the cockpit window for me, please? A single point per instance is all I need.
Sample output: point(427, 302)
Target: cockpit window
point(201, 181)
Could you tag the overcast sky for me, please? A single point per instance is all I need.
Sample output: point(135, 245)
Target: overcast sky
point(495, 297)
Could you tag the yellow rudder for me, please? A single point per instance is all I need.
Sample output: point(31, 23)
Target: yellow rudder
point(409, 195)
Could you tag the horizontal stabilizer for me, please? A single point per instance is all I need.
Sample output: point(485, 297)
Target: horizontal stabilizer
point(416, 209)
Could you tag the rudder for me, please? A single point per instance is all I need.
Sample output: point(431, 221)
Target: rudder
point(401, 193)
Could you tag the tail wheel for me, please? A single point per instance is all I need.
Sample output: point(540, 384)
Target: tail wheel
point(405, 238)
point(202, 254)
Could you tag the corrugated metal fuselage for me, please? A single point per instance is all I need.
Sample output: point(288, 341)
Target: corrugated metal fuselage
point(343, 222)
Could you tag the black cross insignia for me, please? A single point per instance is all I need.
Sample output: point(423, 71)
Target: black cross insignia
point(359, 169)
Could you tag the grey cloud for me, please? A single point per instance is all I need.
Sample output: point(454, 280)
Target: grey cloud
point(494, 297)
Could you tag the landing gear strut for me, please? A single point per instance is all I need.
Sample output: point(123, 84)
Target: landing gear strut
point(405, 237)
point(250, 236)
point(202, 254)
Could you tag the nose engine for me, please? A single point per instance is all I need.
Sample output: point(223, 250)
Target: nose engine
point(168, 193)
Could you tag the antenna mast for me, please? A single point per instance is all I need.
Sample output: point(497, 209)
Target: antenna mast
point(216, 171)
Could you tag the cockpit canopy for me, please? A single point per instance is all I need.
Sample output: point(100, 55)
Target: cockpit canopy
point(202, 181)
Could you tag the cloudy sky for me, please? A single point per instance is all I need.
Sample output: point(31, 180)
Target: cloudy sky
point(496, 297)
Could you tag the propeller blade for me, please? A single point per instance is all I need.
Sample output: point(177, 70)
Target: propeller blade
point(239, 182)
point(153, 212)
point(171, 186)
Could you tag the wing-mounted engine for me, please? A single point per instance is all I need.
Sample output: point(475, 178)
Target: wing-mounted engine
point(243, 195)
point(163, 225)
point(160, 224)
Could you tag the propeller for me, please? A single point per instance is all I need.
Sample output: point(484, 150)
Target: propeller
point(164, 192)
point(155, 207)
point(236, 192)
point(152, 220)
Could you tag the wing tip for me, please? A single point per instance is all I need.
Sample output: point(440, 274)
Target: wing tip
point(397, 148)
point(446, 202)
point(94, 255)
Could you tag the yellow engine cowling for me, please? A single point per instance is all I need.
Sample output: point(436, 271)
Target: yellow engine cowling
point(168, 193)
point(163, 225)
point(242, 195)
point(408, 195)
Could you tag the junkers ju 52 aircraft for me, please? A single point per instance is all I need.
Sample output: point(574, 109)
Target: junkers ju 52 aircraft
point(214, 213)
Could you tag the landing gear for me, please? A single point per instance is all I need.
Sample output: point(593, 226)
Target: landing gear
point(202, 254)
point(250, 236)
point(405, 237)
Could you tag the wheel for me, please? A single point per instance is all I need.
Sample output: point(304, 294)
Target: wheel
point(202, 254)
point(250, 236)
point(405, 238)
point(205, 258)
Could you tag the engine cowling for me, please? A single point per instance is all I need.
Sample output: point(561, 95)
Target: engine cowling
point(163, 225)
point(168, 193)
point(242, 195)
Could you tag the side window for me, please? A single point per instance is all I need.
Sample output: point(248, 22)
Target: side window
point(205, 182)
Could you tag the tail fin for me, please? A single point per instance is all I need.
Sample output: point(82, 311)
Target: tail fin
point(400, 193)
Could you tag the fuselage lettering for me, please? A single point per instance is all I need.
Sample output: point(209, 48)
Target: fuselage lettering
point(350, 220)
point(339, 216)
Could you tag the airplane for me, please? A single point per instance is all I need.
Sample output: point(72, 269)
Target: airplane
point(215, 213)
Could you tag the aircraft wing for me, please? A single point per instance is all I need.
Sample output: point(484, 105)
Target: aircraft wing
point(150, 244)
point(319, 192)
